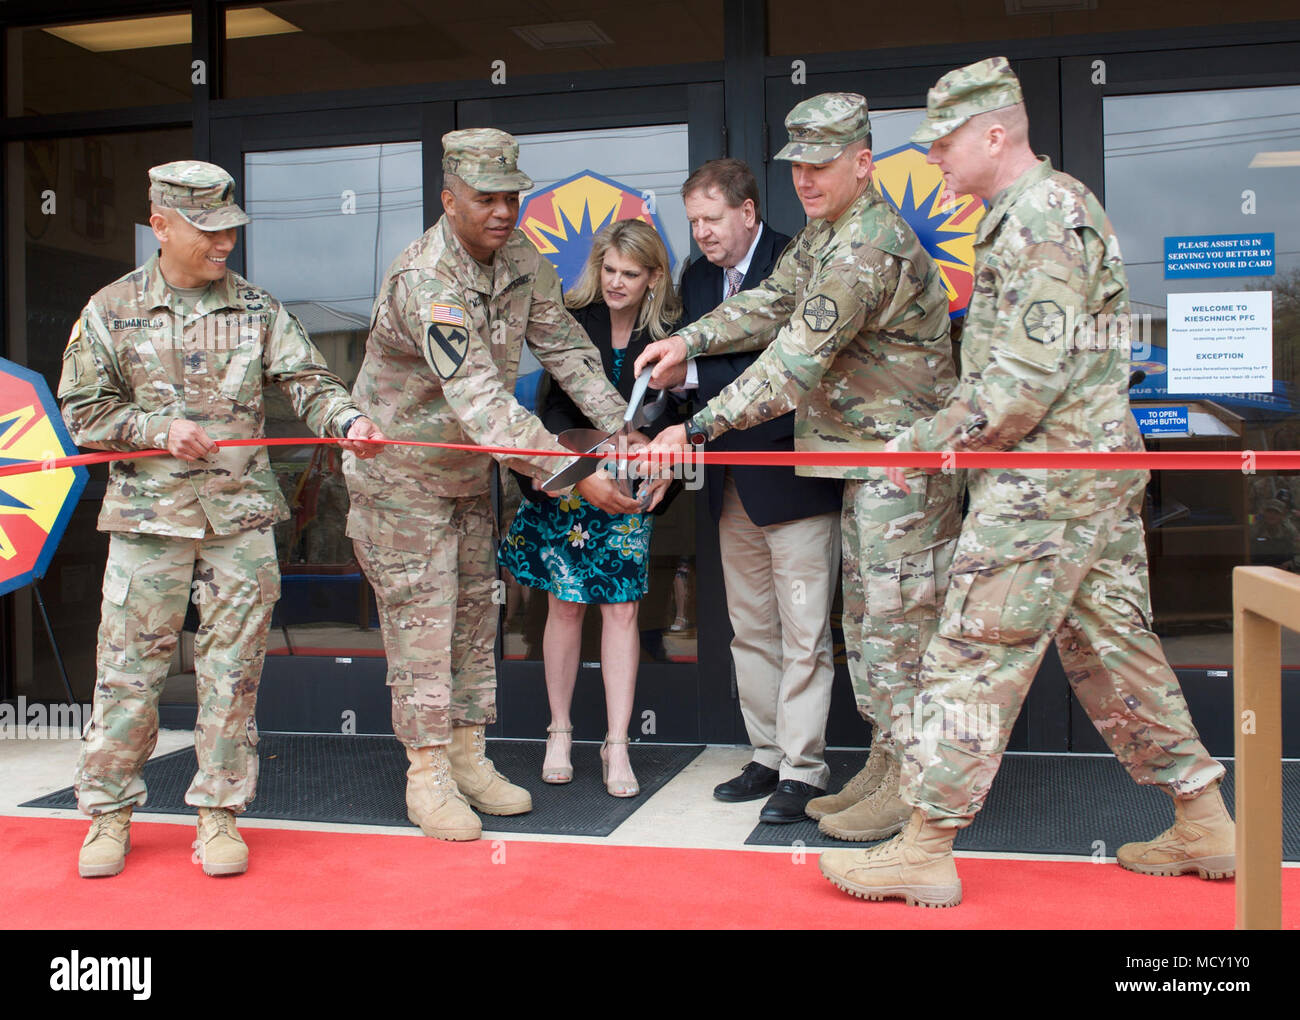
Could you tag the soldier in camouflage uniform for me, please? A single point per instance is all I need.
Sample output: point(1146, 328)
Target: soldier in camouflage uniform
point(441, 361)
point(1044, 553)
point(1274, 538)
point(174, 356)
point(854, 319)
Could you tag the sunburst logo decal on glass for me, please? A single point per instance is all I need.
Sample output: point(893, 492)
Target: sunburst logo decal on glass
point(562, 220)
point(35, 507)
point(945, 223)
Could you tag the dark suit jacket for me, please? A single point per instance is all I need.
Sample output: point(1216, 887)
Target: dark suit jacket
point(558, 411)
point(771, 495)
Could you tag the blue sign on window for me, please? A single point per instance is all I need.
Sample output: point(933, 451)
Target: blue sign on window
point(1162, 421)
point(1219, 255)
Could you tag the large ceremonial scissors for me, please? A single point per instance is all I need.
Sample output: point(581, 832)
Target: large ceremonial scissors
point(592, 441)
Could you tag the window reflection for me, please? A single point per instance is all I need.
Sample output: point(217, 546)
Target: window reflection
point(651, 162)
point(1219, 162)
point(97, 65)
point(333, 45)
point(840, 25)
point(326, 223)
point(75, 209)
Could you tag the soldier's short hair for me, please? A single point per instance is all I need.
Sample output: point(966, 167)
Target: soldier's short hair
point(1014, 118)
point(731, 178)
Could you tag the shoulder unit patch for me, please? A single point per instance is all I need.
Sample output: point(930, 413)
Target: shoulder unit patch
point(1044, 321)
point(820, 312)
point(445, 348)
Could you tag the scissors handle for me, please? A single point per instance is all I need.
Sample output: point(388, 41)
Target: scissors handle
point(638, 395)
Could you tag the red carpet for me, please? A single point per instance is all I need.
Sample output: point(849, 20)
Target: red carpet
point(341, 880)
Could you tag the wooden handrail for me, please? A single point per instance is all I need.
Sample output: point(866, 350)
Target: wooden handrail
point(1264, 599)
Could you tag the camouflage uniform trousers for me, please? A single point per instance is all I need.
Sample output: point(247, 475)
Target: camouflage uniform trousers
point(149, 582)
point(897, 551)
point(439, 622)
point(1016, 584)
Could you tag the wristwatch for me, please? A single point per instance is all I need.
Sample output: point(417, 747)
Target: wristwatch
point(695, 435)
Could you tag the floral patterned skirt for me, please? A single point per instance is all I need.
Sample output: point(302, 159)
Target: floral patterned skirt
point(578, 553)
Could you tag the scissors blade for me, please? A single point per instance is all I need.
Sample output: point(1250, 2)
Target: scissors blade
point(583, 467)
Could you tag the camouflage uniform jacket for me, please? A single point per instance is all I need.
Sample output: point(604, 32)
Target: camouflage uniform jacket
point(441, 363)
point(861, 347)
point(135, 363)
point(1047, 262)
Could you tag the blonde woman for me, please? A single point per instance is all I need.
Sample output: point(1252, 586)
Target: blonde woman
point(580, 555)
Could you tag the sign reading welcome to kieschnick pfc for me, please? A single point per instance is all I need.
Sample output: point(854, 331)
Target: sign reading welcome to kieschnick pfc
point(1219, 255)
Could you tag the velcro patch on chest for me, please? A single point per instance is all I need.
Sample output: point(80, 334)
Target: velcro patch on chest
point(445, 348)
point(821, 313)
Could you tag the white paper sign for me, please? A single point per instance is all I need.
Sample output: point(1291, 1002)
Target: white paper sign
point(1221, 343)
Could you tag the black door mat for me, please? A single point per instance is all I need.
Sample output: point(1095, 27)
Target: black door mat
point(361, 780)
point(1077, 804)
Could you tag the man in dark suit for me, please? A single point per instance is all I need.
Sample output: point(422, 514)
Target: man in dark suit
point(779, 534)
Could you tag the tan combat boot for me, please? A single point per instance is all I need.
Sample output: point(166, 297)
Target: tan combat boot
point(432, 800)
point(220, 848)
point(1202, 839)
point(855, 789)
point(916, 865)
point(878, 815)
point(107, 844)
point(477, 778)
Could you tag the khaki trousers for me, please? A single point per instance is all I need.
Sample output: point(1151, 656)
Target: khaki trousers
point(780, 582)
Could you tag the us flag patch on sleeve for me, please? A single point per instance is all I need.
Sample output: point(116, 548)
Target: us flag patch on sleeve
point(450, 315)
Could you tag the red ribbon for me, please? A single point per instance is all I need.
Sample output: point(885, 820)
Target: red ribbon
point(1246, 461)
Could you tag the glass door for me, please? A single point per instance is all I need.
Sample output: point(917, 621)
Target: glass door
point(583, 180)
point(629, 158)
point(326, 222)
point(332, 198)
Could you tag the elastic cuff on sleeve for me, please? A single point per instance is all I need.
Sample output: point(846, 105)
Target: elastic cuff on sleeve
point(707, 422)
point(694, 342)
point(154, 429)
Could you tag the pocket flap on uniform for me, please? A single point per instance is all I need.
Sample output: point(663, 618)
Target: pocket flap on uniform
point(411, 535)
point(892, 524)
point(984, 546)
point(243, 371)
point(116, 587)
point(268, 583)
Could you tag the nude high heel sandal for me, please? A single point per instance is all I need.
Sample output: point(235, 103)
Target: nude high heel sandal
point(558, 774)
point(620, 788)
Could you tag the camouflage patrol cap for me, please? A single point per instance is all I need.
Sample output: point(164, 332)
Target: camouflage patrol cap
point(822, 126)
point(961, 94)
point(202, 193)
point(484, 158)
